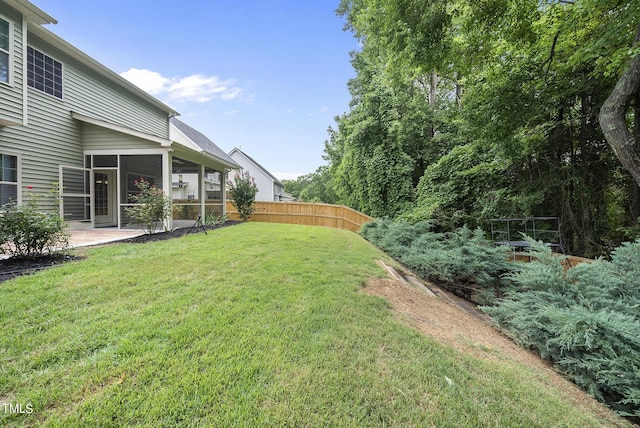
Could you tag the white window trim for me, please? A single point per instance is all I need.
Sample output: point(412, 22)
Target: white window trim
point(18, 183)
point(10, 52)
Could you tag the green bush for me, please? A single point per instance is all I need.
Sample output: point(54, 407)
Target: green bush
point(152, 207)
point(462, 261)
point(243, 194)
point(586, 320)
point(28, 233)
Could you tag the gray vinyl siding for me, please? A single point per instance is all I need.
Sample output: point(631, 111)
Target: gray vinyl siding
point(95, 98)
point(98, 138)
point(87, 93)
point(52, 137)
point(11, 95)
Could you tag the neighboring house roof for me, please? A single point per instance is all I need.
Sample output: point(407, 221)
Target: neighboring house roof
point(260, 167)
point(205, 144)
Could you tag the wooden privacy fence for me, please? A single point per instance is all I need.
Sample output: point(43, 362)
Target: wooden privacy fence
point(306, 213)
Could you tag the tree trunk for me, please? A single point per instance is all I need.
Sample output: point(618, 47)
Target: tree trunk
point(433, 89)
point(458, 86)
point(634, 208)
point(432, 98)
point(635, 190)
point(613, 117)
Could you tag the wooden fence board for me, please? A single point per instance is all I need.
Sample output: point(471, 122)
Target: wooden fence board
point(304, 213)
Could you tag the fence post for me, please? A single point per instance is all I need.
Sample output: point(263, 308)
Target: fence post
point(286, 212)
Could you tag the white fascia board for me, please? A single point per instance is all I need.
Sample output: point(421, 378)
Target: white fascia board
point(227, 165)
point(196, 156)
point(31, 12)
point(179, 137)
point(122, 129)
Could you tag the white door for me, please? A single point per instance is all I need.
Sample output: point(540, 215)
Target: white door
point(104, 182)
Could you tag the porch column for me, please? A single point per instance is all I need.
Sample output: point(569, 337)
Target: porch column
point(167, 162)
point(202, 194)
point(223, 189)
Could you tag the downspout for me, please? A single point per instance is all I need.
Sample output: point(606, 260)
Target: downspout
point(223, 189)
point(25, 92)
point(167, 172)
point(166, 184)
point(202, 194)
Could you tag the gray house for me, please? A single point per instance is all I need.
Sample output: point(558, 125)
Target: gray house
point(68, 122)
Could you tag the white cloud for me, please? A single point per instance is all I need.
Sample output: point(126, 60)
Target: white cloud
point(197, 87)
point(231, 112)
point(146, 80)
point(321, 110)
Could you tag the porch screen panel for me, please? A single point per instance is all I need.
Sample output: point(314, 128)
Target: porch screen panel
point(105, 161)
point(185, 190)
point(75, 203)
point(213, 187)
point(132, 169)
point(136, 167)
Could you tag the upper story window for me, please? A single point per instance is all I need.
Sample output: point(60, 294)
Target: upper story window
point(5, 50)
point(44, 73)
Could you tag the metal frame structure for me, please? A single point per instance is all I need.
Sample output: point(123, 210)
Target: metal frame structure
point(510, 232)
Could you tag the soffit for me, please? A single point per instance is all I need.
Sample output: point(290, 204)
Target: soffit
point(31, 12)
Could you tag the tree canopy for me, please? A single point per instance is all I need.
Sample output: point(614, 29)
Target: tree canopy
point(467, 110)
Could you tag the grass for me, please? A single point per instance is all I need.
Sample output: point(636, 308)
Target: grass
point(251, 325)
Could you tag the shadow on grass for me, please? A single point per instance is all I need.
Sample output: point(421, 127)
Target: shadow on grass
point(14, 267)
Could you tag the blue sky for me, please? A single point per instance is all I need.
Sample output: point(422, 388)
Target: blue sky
point(266, 76)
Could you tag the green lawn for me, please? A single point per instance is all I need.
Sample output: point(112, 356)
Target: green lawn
point(255, 324)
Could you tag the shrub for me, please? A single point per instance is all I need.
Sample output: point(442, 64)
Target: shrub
point(243, 194)
point(213, 219)
point(585, 320)
point(462, 261)
point(151, 208)
point(27, 232)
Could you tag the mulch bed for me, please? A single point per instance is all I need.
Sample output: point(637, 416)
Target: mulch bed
point(14, 267)
point(176, 233)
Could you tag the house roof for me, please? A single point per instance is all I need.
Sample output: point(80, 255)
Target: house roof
point(32, 12)
point(250, 159)
point(203, 142)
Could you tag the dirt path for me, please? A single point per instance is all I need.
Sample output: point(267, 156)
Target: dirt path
point(454, 323)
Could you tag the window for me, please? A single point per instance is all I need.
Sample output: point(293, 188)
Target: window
point(8, 178)
point(44, 73)
point(5, 46)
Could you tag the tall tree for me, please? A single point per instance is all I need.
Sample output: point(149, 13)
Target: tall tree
point(613, 115)
point(525, 138)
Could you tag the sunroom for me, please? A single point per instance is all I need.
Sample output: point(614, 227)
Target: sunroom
point(98, 194)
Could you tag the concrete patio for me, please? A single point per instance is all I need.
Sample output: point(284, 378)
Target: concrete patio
point(82, 237)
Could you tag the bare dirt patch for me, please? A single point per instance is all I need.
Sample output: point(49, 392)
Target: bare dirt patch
point(467, 330)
